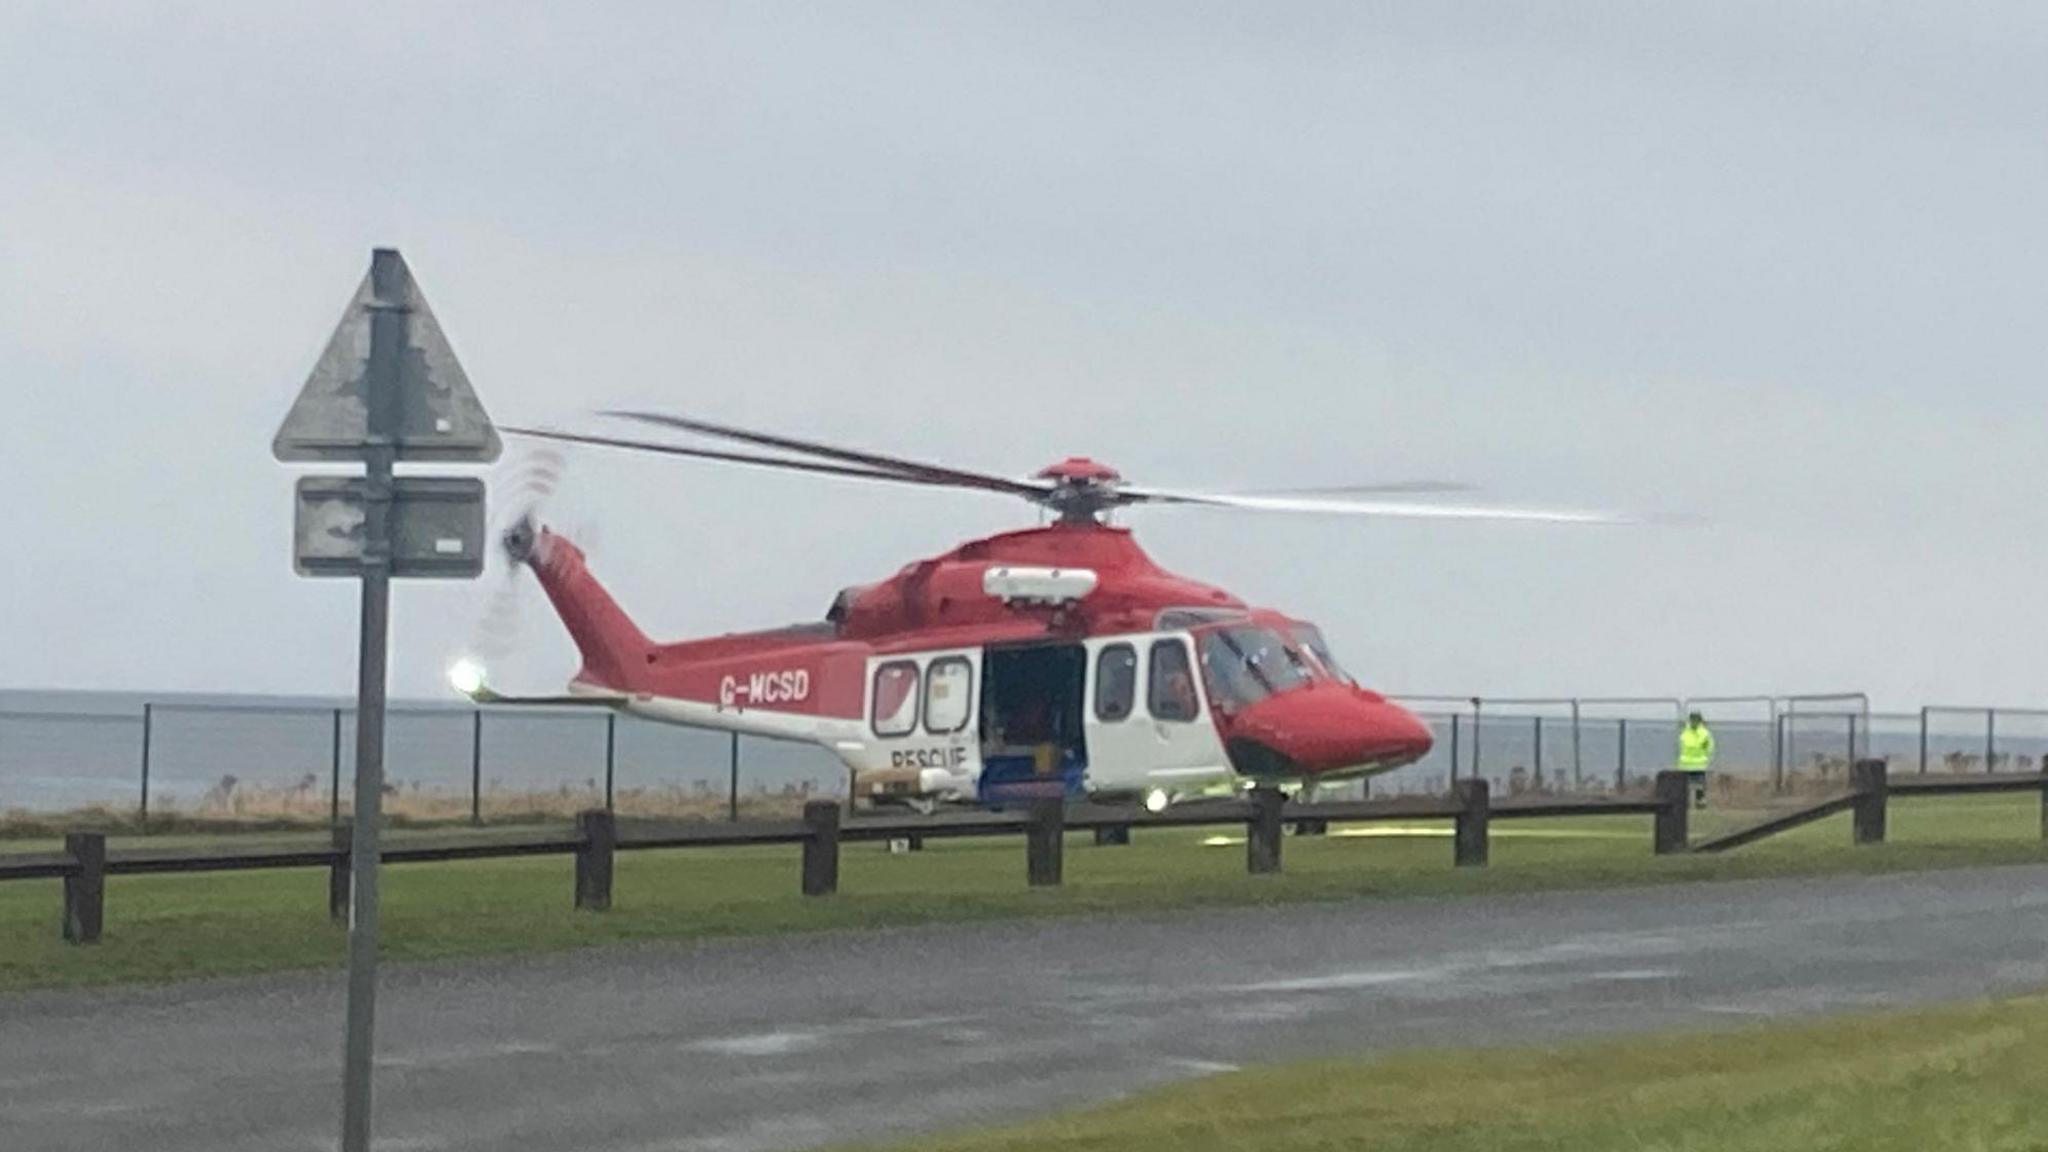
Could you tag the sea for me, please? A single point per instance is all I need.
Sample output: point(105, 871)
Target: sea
point(63, 750)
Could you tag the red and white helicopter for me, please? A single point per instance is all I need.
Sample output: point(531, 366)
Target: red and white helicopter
point(1056, 660)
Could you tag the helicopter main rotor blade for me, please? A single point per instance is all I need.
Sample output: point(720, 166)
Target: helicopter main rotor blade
point(1344, 500)
point(1383, 508)
point(1388, 488)
point(725, 457)
point(906, 469)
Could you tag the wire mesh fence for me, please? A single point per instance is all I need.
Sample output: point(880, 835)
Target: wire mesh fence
point(293, 760)
point(1963, 740)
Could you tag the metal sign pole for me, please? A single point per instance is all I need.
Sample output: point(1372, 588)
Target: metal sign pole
point(386, 389)
point(363, 853)
point(388, 341)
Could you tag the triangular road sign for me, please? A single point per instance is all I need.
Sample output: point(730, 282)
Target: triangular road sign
point(438, 414)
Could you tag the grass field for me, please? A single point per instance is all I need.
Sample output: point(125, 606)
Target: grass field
point(1958, 1078)
point(175, 927)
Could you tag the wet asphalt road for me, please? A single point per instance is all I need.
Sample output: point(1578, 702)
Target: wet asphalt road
point(794, 1042)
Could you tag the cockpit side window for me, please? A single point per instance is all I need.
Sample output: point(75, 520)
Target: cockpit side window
point(1170, 692)
point(1245, 664)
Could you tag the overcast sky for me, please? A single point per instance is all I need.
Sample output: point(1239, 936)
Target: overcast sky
point(1780, 264)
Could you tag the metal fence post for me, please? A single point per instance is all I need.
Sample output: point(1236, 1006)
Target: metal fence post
point(1578, 749)
point(611, 757)
point(1454, 749)
point(476, 766)
point(1923, 740)
point(1852, 757)
point(1468, 843)
point(1990, 737)
point(732, 811)
point(334, 776)
point(1621, 756)
point(1478, 729)
point(148, 711)
point(594, 859)
point(1044, 838)
point(821, 848)
point(1777, 751)
point(1539, 753)
point(85, 891)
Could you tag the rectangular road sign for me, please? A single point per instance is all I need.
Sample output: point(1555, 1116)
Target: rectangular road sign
point(437, 526)
point(436, 414)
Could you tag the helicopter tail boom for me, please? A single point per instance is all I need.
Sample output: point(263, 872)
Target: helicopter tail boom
point(611, 644)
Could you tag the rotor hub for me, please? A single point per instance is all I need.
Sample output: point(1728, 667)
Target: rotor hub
point(1082, 489)
point(520, 539)
point(1080, 469)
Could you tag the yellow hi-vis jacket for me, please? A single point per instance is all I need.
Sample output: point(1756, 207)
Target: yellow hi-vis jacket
point(1695, 748)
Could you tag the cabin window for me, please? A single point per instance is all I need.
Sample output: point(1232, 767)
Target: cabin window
point(895, 709)
point(1116, 682)
point(1170, 693)
point(948, 686)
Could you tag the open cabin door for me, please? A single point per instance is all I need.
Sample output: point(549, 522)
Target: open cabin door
point(1033, 737)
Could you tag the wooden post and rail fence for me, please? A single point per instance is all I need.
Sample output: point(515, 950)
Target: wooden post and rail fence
point(598, 835)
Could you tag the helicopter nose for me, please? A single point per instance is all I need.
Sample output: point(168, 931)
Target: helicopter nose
point(1325, 728)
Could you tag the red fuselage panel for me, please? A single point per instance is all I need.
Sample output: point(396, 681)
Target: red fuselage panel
point(946, 592)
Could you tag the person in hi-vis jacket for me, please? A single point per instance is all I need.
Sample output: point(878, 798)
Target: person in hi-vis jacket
point(1696, 756)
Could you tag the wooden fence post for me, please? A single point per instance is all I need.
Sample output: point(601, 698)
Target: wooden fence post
point(341, 837)
point(1262, 833)
point(85, 892)
point(821, 848)
point(1867, 779)
point(1045, 840)
point(594, 859)
point(2044, 800)
point(1673, 832)
point(1468, 842)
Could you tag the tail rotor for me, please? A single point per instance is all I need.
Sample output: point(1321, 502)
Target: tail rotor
point(535, 478)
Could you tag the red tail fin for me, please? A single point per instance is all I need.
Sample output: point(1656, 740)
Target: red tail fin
point(613, 647)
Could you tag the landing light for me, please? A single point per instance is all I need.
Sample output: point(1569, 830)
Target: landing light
point(466, 676)
point(1156, 800)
